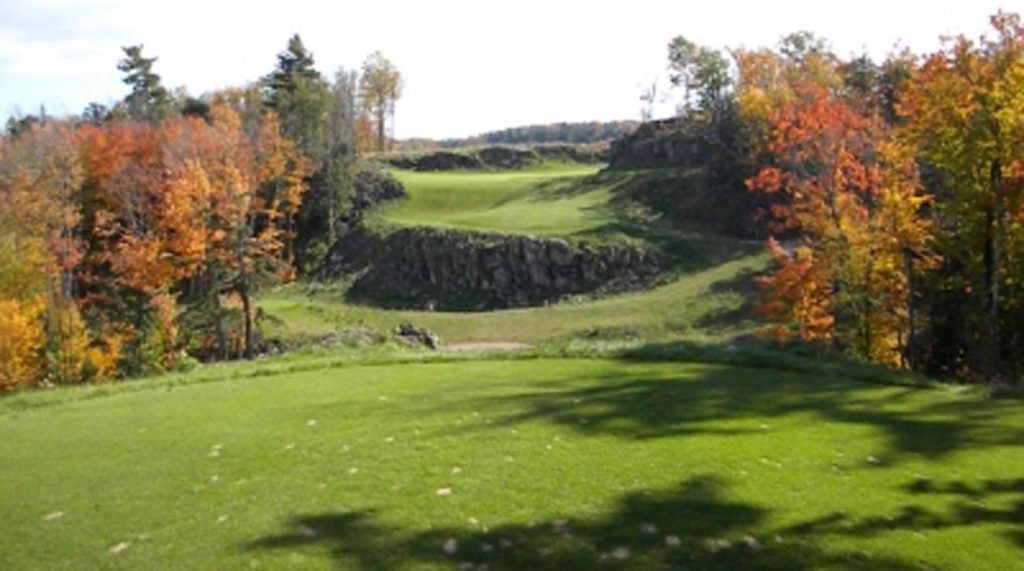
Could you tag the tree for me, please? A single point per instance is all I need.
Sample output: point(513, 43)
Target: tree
point(853, 197)
point(341, 146)
point(702, 72)
point(257, 187)
point(95, 113)
point(292, 64)
point(316, 116)
point(964, 108)
point(380, 86)
point(148, 100)
point(297, 93)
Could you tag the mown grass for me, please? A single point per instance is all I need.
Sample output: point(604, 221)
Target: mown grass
point(620, 462)
point(552, 199)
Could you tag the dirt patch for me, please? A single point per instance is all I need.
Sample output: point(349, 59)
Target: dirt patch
point(485, 346)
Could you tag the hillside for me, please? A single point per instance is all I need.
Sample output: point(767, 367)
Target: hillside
point(700, 293)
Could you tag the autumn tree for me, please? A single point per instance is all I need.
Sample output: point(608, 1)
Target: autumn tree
point(852, 198)
point(964, 108)
point(380, 86)
point(40, 180)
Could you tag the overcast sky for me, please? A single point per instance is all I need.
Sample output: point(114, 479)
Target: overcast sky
point(469, 66)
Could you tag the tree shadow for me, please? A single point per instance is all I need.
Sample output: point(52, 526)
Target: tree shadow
point(683, 252)
point(967, 503)
point(742, 285)
point(695, 401)
point(694, 525)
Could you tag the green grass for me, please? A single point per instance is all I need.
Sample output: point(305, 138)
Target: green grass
point(549, 200)
point(702, 298)
point(561, 463)
point(705, 305)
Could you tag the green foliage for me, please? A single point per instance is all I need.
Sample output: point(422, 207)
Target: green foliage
point(293, 64)
point(319, 118)
point(148, 99)
point(702, 72)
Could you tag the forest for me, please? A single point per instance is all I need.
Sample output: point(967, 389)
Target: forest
point(135, 238)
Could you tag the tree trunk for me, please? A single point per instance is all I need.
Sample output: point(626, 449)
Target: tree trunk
point(380, 129)
point(243, 292)
point(908, 349)
point(991, 256)
point(218, 324)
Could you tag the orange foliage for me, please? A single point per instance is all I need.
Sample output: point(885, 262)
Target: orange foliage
point(797, 295)
point(853, 195)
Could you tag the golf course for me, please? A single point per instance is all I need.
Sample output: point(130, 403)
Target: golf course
point(643, 430)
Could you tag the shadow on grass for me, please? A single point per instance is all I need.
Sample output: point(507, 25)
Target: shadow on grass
point(967, 504)
point(756, 388)
point(694, 525)
point(741, 285)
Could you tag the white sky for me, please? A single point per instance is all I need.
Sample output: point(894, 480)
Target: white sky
point(469, 66)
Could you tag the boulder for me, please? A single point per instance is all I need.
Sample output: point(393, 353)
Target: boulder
point(412, 336)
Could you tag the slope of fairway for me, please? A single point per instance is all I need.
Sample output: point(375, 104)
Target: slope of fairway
point(553, 199)
point(705, 305)
point(527, 464)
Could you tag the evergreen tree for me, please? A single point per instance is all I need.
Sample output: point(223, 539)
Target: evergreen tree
point(148, 100)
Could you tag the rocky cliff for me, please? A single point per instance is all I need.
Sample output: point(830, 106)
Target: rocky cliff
point(443, 269)
point(659, 144)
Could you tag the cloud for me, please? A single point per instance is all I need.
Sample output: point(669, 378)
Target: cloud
point(469, 66)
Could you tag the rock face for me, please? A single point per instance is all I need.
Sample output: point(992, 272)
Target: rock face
point(583, 154)
point(438, 269)
point(372, 187)
point(666, 143)
point(437, 161)
point(500, 158)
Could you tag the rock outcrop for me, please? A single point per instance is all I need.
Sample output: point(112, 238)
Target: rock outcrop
point(659, 144)
point(497, 157)
point(441, 269)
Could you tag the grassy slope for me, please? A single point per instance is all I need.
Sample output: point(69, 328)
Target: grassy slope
point(546, 200)
point(553, 199)
point(560, 463)
point(704, 305)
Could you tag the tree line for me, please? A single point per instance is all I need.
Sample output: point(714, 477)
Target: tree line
point(895, 192)
point(133, 238)
point(581, 133)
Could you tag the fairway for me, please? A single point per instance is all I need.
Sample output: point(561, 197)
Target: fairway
point(550, 200)
point(526, 464)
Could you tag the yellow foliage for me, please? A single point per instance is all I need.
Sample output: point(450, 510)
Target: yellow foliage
point(21, 338)
point(165, 310)
point(69, 340)
point(103, 357)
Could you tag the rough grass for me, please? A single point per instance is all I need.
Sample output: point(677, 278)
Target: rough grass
point(535, 463)
point(704, 305)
